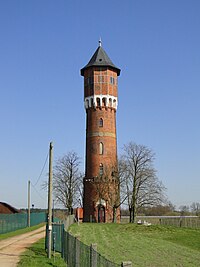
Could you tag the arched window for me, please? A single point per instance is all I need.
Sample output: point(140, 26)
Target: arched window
point(110, 102)
point(104, 102)
point(87, 103)
point(100, 122)
point(91, 104)
point(98, 102)
point(101, 169)
point(114, 103)
point(101, 148)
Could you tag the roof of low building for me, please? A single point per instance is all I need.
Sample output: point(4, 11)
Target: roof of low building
point(5, 208)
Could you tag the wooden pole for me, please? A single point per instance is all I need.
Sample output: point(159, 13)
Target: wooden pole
point(49, 230)
point(29, 203)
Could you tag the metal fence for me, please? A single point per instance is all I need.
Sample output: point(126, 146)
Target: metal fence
point(12, 222)
point(178, 221)
point(189, 222)
point(73, 251)
point(76, 253)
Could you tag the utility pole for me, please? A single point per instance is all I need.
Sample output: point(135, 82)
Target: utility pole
point(29, 201)
point(50, 201)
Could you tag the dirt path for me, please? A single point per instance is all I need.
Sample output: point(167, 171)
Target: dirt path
point(12, 247)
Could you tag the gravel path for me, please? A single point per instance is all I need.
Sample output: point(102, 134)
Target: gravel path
point(11, 248)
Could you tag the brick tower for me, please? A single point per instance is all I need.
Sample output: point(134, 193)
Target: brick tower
point(101, 186)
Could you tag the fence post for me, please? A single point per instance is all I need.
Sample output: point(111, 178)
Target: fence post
point(180, 222)
point(77, 252)
point(126, 264)
point(93, 255)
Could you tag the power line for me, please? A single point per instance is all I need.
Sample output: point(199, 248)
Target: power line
point(38, 192)
point(42, 170)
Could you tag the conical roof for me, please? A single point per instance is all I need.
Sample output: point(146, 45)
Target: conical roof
point(101, 59)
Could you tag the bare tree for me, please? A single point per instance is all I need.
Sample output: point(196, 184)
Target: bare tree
point(114, 193)
point(67, 180)
point(108, 187)
point(184, 210)
point(195, 208)
point(142, 185)
point(122, 167)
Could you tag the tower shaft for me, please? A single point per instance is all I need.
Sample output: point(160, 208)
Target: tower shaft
point(101, 184)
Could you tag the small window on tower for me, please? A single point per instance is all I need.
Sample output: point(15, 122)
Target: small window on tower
point(101, 169)
point(112, 80)
point(101, 79)
point(100, 122)
point(101, 148)
point(90, 80)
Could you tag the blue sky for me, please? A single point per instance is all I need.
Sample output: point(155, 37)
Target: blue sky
point(43, 46)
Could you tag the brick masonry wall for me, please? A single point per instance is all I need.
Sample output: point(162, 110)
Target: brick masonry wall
point(96, 187)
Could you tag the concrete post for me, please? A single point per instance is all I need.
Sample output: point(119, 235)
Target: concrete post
point(93, 255)
point(126, 264)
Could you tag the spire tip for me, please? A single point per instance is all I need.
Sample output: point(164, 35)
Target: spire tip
point(100, 42)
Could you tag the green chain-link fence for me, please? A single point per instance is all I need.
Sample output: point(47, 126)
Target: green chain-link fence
point(178, 221)
point(74, 252)
point(12, 222)
point(189, 222)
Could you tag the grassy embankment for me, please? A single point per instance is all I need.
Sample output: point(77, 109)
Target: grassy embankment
point(36, 256)
point(143, 245)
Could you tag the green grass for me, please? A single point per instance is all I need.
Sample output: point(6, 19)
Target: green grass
point(162, 246)
point(36, 256)
point(20, 231)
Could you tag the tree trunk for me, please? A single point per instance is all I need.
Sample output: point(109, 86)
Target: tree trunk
point(133, 206)
point(114, 214)
point(130, 213)
point(133, 215)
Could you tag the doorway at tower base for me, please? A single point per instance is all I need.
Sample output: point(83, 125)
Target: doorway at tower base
point(102, 213)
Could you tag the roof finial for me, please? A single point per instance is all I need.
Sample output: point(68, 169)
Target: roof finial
point(100, 42)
